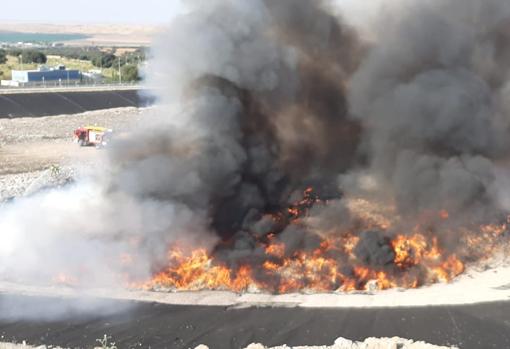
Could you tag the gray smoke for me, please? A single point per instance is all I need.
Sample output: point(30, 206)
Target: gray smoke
point(432, 95)
point(258, 100)
point(261, 111)
point(251, 109)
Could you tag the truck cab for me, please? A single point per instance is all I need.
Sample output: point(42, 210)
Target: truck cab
point(92, 136)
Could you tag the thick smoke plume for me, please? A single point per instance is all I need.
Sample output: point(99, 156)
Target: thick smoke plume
point(432, 95)
point(252, 108)
point(259, 100)
point(264, 109)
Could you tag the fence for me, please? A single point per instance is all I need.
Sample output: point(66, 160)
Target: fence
point(55, 87)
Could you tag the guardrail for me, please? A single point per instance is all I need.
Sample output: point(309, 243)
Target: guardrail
point(71, 88)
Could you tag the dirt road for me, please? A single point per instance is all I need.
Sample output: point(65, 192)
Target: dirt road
point(38, 156)
point(29, 146)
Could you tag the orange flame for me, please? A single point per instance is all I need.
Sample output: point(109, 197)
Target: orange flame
point(419, 258)
point(314, 270)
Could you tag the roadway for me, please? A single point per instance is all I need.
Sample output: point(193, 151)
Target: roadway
point(70, 88)
point(68, 322)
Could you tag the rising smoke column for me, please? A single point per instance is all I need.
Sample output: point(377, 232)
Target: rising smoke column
point(432, 96)
point(257, 94)
point(251, 108)
point(257, 100)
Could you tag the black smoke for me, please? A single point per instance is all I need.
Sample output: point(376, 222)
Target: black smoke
point(260, 100)
point(263, 99)
point(432, 95)
point(265, 110)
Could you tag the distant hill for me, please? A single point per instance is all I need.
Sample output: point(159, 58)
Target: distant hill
point(13, 37)
point(79, 34)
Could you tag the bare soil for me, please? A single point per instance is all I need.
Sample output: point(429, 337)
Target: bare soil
point(30, 146)
point(340, 343)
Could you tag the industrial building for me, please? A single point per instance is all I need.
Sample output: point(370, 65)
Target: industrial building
point(56, 76)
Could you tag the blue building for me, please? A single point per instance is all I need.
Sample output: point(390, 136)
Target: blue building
point(53, 76)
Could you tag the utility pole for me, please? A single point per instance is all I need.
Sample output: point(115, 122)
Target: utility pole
point(120, 74)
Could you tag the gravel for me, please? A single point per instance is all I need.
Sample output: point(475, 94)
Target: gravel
point(370, 343)
point(60, 128)
point(36, 153)
point(340, 343)
point(13, 185)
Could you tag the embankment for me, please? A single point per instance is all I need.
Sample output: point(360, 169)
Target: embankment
point(37, 104)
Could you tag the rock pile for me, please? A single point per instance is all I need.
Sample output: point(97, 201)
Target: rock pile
point(370, 343)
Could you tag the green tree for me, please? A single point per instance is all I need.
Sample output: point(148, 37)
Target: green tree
point(3, 56)
point(105, 60)
point(34, 57)
point(16, 52)
point(130, 73)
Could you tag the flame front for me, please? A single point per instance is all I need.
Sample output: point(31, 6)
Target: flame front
point(328, 268)
point(418, 259)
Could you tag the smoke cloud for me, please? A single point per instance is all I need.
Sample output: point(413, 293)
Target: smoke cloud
point(252, 108)
point(265, 109)
point(259, 100)
point(432, 96)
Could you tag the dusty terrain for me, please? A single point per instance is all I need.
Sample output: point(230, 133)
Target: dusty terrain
point(34, 151)
point(340, 343)
point(99, 34)
point(31, 146)
point(34, 148)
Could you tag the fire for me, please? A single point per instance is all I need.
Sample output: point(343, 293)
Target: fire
point(319, 270)
point(277, 250)
point(65, 279)
point(409, 251)
point(444, 214)
point(331, 264)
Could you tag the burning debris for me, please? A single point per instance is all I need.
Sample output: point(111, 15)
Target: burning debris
point(299, 259)
point(287, 154)
point(336, 114)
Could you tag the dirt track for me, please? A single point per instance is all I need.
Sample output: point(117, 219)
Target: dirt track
point(32, 157)
point(29, 146)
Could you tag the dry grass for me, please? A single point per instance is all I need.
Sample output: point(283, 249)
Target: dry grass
point(13, 63)
point(70, 63)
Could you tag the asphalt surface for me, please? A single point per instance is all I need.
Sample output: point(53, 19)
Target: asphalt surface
point(58, 103)
point(77, 324)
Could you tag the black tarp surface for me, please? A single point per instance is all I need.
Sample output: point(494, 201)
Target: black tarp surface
point(150, 325)
point(58, 103)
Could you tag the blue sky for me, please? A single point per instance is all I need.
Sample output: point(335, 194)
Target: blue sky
point(91, 11)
